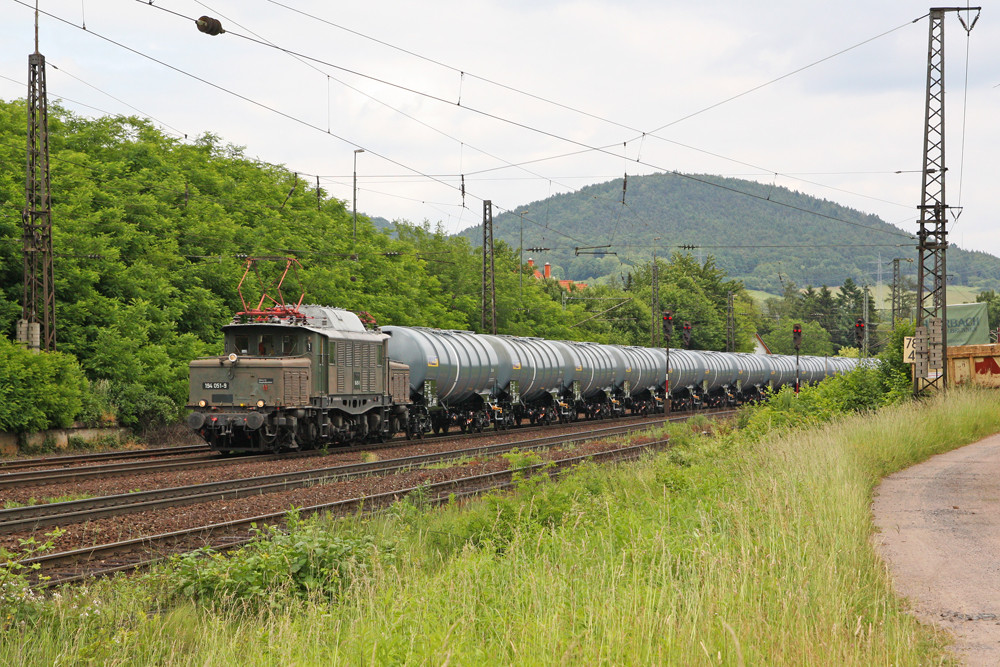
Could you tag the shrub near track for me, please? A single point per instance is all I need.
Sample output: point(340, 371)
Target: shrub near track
point(732, 549)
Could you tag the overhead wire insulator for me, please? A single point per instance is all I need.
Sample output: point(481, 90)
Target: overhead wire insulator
point(209, 26)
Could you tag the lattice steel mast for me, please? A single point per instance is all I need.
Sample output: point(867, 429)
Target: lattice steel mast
point(37, 327)
point(931, 367)
point(489, 276)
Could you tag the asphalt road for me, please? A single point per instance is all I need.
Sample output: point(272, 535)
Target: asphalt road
point(939, 525)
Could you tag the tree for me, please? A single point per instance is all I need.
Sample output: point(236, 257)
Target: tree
point(815, 340)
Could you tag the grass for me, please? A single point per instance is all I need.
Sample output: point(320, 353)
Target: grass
point(12, 504)
point(724, 550)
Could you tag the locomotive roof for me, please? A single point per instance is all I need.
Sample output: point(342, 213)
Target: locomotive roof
point(331, 322)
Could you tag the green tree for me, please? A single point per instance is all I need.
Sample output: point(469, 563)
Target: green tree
point(815, 340)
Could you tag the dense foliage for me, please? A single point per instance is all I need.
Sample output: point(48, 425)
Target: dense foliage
point(38, 390)
point(753, 238)
point(828, 319)
point(150, 235)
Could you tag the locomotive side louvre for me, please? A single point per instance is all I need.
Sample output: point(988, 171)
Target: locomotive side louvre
point(356, 365)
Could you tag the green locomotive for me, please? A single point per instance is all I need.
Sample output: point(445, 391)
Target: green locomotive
point(298, 377)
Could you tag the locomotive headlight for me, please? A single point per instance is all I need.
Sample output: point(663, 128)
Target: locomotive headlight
point(260, 403)
point(233, 357)
point(202, 403)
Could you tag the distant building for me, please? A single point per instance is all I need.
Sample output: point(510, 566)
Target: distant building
point(546, 274)
point(758, 345)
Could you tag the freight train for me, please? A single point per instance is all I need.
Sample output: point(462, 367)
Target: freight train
point(297, 377)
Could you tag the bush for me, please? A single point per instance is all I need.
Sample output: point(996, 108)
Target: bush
point(305, 558)
point(142, 409)
point(38, 391)
point(97, 409)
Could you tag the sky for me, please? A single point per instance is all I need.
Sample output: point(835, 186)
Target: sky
point(530, 99)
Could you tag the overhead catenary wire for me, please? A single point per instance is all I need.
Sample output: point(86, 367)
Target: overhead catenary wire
point(252, 101)
point(260, 104)
point(642, 134)
point(299, 120)
point(493, 116)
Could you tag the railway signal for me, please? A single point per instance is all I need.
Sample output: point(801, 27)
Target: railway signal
point(668, 324)
point(797, 342)
point(859, 332)
point(687, 335)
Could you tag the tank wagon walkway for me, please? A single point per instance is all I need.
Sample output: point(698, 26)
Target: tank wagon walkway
point(939, 533)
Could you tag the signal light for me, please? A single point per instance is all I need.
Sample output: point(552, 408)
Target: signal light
point(859, 332)
point(668, 324)
point(687, 334)
point(797, 336)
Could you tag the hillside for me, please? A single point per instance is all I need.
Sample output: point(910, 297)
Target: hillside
point(750, 236)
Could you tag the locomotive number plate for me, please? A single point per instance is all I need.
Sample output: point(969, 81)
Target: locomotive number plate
point(215, 385)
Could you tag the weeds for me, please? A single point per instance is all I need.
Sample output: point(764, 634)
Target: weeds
point(18, 602)
point(302, 559)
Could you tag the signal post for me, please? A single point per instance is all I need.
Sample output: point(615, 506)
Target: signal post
point(797, 342)
point(668, 332)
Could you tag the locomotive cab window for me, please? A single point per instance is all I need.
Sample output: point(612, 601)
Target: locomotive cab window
point(290, 345)
point(240, 345)
point(265, 347)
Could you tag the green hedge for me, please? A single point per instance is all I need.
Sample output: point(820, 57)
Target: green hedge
point(38, 391)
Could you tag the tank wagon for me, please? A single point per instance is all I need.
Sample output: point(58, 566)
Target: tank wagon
point(472, 381)
point(311, 376)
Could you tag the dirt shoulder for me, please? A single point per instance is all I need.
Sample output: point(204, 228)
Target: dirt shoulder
point(939, 525)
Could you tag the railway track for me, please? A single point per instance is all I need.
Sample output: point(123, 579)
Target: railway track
point(32, 517)
point(198, 457)
point(127, 555)
point(63, 459)
point(130, 555)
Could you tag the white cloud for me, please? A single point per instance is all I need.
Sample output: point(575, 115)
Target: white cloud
point(842, 124)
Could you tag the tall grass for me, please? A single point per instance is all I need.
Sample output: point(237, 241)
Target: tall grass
point(726, 550)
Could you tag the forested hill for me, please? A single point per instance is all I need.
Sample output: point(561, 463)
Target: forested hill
point(749, 236)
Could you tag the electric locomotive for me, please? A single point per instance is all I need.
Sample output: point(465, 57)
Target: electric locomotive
point(297, 377)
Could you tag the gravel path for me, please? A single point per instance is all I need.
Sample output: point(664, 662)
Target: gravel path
point(939, 525)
